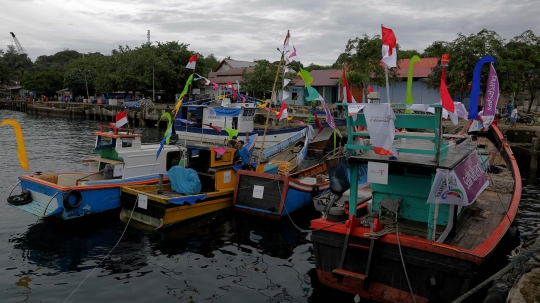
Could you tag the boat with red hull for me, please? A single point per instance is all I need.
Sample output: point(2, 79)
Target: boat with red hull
point(432, 252)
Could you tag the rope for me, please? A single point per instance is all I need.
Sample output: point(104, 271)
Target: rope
point(403, 262)
point(107, 255)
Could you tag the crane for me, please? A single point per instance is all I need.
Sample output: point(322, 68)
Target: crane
point(18, 46)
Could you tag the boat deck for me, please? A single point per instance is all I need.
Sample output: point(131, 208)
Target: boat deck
point(452, 158)
point(471, 231)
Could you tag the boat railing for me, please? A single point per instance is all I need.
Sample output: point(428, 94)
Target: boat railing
point(429, 123)
point(112, 127)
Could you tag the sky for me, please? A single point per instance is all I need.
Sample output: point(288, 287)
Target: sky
point(253, 29)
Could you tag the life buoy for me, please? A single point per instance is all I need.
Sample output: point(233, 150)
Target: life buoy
point(21, 199)
point(78, 199)
point(315, 190)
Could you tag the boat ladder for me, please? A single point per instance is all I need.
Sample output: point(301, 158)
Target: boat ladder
point(389, 204)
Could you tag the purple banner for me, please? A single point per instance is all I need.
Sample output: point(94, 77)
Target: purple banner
point(329, 118)
point(492, 92)
point(472, 177)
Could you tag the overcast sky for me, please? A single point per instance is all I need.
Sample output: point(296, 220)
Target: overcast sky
point(252, 29)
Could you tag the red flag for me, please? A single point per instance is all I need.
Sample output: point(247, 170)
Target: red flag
point(369, 89)
point(233, 90)
point(347, 90)
point(282, 112)
point(192, 61)
point(121, 119)
point(319, 126)
point(216, 128)
point(447, 101)
point(389, 47)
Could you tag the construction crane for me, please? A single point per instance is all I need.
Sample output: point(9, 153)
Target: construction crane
point(18, 46)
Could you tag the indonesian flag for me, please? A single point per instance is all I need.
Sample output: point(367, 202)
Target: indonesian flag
point(448, 103)
point(121, 119)
point(389, 52)
point(347, 95)
point(191, 62)
point(282, 112)
point(286, 43)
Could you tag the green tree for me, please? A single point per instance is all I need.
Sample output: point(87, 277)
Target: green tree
point(17, 65)
point(47, 82)
point(55, 62)
point(261, 80)
point(464, 52)
point(407, 54)
point(362, 57)
point(313, 66)
point(524, 66)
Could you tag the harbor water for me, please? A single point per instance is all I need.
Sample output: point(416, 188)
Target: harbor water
point(222, 257)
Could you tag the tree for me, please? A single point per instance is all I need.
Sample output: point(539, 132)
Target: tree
point(362, 57)
point(17, 65)
point(47, 82)
point(524, 53)
point(313, 66)
point(261, 80)
point(55, 62)
point(407, 54)
point(464, 52)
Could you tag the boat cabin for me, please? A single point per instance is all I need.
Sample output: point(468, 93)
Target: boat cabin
point(214, 166)
point(410, 175)
point(238, 116)
point(122, 155)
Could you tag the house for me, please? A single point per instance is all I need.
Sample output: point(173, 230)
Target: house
point(227, 71)
point(329, 87)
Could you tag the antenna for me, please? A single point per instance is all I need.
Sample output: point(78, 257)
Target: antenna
point(18, 46)
point(148, 36)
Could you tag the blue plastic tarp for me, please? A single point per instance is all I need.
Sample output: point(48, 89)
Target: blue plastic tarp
point(184, 180)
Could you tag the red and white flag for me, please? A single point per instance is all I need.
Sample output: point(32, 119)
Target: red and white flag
point(447, 102)
point(121, 119)
point(192, 61)
point(282, 112)
point(347, 95)
point(286, 43)
point(389, 52)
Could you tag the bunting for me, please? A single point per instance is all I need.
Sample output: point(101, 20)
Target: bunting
point(318, 124)
point(184, 92)
point(306, 76)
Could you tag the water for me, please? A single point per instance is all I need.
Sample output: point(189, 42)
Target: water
point(222, 257)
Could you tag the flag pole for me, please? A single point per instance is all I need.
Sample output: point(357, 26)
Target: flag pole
point(268, 112)
point(386, 74)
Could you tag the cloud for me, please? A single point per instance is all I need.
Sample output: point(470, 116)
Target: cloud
point(250, 29)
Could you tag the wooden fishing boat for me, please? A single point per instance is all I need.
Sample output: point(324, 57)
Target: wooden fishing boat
point(405, 247)
point(217, 171)
point(275, 196)
point(217, 175)
point(122, 160)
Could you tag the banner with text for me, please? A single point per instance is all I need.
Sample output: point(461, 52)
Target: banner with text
point(460, 186)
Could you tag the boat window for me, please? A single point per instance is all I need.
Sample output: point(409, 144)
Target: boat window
point(194, 153)
point(249, 112)
point(105, 142)
point(173, 158)
point(127, 142)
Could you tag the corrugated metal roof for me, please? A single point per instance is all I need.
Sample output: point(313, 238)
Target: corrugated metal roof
point(230, 75)
point(236, 63)
point(421, 69)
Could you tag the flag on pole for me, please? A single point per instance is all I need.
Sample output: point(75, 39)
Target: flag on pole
point(292, 55)
point(192, 61)
point(347, 95)
point(389, 52)
point(304, 74)
point(233, 90)
point(318, 124)
point(329, 118)
point(286, 43)
point(282, 112)
point(184, 92)
point(447, 102)
point(492, 92)
point(121, 119)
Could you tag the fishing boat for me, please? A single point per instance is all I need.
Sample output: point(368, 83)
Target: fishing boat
point(432, 225)
point(217, 171)
point(121, 160)
point(212, 124)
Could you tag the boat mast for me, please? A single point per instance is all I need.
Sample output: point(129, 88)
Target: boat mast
point(271, 100)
